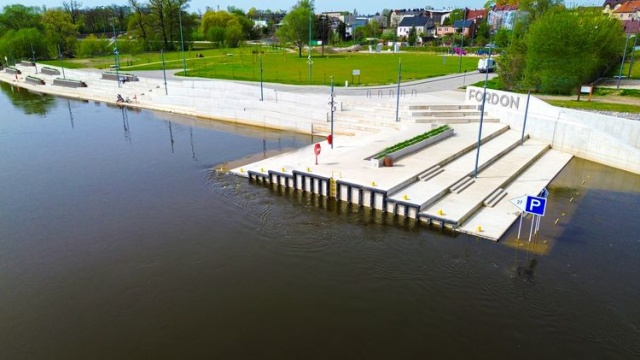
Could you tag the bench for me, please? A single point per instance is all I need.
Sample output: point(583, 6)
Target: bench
point(27, 63)
point(69, 83)
point(49, 71)
point(13, 71)
point(34, 80)
point(119, 76)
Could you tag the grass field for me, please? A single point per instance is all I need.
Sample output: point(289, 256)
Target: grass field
point(284, 66)
point(591, 105)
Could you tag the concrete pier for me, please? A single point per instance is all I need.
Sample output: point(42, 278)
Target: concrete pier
point(448, 183)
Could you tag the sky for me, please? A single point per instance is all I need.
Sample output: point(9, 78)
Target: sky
point(364, 7)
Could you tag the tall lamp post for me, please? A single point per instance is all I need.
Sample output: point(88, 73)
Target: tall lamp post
point(484, 97)
point(33, 58)
point(309, 61)
point(624, 55)
point(184, 62)
point(115, 54)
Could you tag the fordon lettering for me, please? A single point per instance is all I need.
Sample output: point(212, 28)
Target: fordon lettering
point(507, 101)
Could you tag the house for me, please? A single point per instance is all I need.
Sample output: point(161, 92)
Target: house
point(466, 27)
point(629, 10)
point(610, 5)
point(477, 15)
point(502, 16)
point(397, 15)
point(424, 26)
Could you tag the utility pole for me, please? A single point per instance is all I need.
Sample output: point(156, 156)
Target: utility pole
point(184, 62)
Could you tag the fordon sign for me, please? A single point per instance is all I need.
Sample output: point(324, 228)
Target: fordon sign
point(504, 100)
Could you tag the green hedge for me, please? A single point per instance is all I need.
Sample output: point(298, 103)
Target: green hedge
point(413, 140)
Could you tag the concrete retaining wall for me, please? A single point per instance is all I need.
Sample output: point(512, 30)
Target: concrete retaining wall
point(608, 140)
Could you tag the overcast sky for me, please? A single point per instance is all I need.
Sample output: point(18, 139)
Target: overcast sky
point(363, 6)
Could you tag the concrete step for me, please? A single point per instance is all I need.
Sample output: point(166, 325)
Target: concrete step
point(494, 198)
point(501, 172)
point(430, 173)
point(437, 114)
point(462, 184)
point(453, 120)
point(443, 107)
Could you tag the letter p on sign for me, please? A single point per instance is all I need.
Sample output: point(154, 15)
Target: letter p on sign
point(536, 205)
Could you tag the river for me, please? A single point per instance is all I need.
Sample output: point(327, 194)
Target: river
point(119, 240)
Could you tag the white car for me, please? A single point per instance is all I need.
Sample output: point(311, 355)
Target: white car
point(486, 65)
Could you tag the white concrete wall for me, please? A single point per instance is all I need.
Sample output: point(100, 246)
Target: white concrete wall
point(608, 140)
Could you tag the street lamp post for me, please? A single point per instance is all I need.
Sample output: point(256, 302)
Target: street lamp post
point(332, 110)
point(261, 91)
point(116, 62)
point(309, 61)
point(33, 58)
point(461, 46)
point(624, 55)
point(184, 62)
point(398, 95)
point(484, 97)
point(61, 66)
point(164, 73)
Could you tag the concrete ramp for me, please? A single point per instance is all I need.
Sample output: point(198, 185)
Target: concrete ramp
point(492, 222)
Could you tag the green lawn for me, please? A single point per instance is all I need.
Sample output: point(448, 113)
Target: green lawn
point(286, 67)
point(591, 105)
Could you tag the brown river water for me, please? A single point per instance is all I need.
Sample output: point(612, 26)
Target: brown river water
point(118, 240)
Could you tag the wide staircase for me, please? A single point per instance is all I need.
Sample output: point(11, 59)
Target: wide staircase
point(453, 190)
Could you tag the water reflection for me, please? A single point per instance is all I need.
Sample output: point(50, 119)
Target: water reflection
point(171, 138)
point(70, 114)
point(28, 102)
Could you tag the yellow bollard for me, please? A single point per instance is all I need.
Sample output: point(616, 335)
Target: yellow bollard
point(241, 170)
point(440, 212)
point(405, 197)
point(283, 170)
point(479, 228)
point(308, 169)
point(373, 183)
point(261, 169)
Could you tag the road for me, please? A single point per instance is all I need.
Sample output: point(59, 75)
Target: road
point(448, 82)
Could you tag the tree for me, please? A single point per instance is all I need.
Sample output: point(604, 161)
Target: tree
point(561, 50)
point(16, 17)
point(72, 7)
point(566, 48)
point(60, 31)
point(295, 26)
point(234, 34)
point(92, 46)
point(164, 16)
point(225, 27)
point(412, 36)
point(139, 25)
point(20, 43)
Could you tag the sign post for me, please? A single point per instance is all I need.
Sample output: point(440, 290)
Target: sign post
point(533, 205)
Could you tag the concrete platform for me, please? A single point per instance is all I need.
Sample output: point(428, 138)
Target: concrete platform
point(504, 165)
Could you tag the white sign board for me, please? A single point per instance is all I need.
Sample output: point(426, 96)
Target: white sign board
point(355, 72)
point(585, 89)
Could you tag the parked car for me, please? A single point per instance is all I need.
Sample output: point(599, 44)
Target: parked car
point(486, 65)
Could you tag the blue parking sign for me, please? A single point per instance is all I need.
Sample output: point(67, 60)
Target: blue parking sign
point(535, 205)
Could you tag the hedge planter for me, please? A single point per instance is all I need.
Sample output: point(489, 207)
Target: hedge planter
point(397, 151)
point(27, 63)
point(12, 71)
point(49, 71)
point(69, 83)
point(34, 80)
